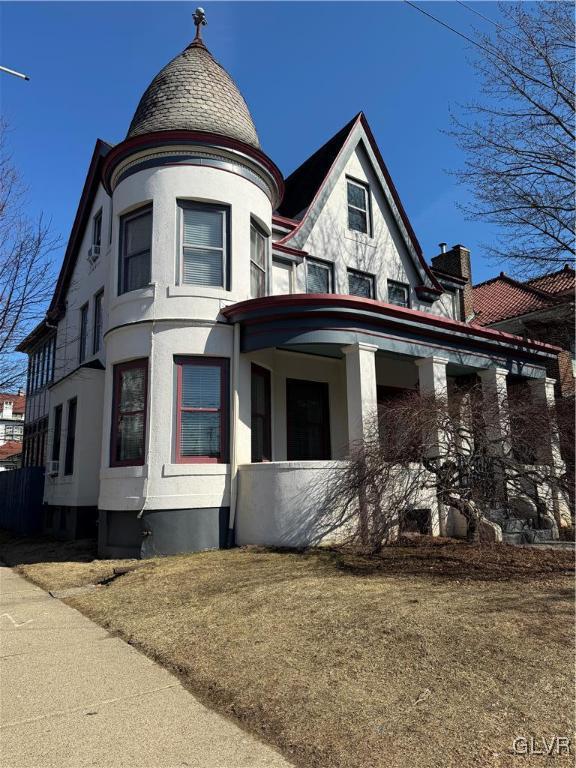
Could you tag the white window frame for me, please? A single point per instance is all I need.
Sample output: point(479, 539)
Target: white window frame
point(398, 284)
point(226, 226)
point(266, 269)
point(327, 265)
point(97, 222)
point(366, 276)
point(367, 211)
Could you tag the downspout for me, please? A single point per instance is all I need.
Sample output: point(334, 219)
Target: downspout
point(234, 434)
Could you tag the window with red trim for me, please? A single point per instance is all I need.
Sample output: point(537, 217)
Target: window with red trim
point(129, 413)
point(202, 409)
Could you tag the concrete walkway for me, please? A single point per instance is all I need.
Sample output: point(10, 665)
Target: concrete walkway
point(72, 695)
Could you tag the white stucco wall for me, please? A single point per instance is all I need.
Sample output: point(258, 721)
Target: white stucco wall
point(81, 487)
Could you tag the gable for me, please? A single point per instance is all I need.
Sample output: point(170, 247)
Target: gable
point(337, 153)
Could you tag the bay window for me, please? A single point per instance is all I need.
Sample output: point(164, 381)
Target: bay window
point(204, 238)
point(129, 413)
point(135, 250)
point(202, 409)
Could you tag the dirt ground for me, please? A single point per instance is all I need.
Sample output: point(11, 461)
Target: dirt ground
point(430, 656)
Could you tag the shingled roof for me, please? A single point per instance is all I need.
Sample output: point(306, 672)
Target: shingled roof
point(193, 92)
point(303, 183)
point(502, 297)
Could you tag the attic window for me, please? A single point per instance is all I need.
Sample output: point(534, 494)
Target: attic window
point(358, 206)
point(398, 293)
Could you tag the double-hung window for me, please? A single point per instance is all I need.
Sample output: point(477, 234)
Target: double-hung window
point(258, 261)
point(202, 409)
point(398, 293)
point(204, 237)
point(83, 334)
point(358, 206)
point(70, 438)
point(129, 413)
point(360, 284)
point(135, 250)
point(57, 433)
point(318, 276)
point(97, 230)
point(97, 331)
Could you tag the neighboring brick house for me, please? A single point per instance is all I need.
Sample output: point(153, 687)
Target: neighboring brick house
point(541, 308)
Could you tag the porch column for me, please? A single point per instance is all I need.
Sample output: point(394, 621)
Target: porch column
point(495, 407)
point(433, 383)
point(361, 390)
point(542, 391)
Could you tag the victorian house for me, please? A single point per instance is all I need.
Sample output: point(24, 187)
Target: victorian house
point(219, 335)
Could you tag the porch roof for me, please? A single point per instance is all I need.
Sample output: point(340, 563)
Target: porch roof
point(330, 318)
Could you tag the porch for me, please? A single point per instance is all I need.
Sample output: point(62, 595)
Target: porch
point(302, 401)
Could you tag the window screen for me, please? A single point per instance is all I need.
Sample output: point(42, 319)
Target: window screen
point(202, 407)
point(204, 245)
point(318, 277)
point(360, 284)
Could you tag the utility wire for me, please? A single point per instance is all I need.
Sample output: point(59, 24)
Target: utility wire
point(447, 26)
point(473, 10)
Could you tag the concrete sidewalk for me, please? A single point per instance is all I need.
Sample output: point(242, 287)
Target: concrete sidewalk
point(72, 695)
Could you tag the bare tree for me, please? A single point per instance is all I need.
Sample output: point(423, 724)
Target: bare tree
point(519, 141)
point(457, 452)
point(25, 287)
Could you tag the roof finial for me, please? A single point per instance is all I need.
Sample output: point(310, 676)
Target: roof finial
point(199, 17)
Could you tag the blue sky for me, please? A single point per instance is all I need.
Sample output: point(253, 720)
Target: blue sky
point(304, 68)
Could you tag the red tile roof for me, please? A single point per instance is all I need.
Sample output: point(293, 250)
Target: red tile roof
point(502, 297)
point(18, 400)
point(556, 282)
point(11, 448)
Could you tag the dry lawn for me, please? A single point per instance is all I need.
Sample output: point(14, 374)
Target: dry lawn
point(435, 656)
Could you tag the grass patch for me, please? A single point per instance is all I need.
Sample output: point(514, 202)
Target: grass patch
point(431, 656)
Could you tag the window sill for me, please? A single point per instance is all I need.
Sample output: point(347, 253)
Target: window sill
point(138, 294)
point(110, 473)
point(194, 468)
point(196, 292)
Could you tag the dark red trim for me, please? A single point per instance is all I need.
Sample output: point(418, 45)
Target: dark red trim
point(223, 364)
point(290, 251)
point(101, 150)
point(284, 221)
point(333, 302)
point(118, 369)
point(160, 138)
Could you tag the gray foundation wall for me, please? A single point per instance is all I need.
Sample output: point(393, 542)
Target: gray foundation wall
point(161, 532)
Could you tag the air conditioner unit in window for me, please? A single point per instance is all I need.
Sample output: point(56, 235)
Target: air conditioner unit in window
point(93, 253)
point(52, 468)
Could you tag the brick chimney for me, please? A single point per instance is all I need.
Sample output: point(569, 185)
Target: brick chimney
point(456, 262)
